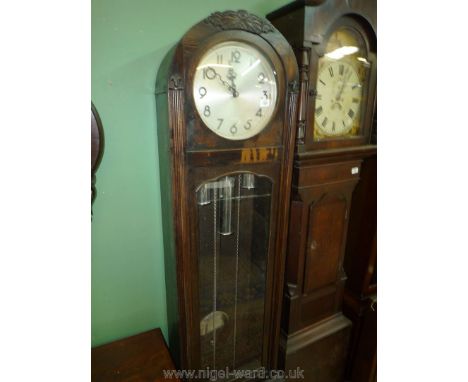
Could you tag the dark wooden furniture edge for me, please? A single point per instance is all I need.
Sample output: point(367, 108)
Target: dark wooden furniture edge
point(313, 333)
point(343, 154)
point(143, 356)
point(97, 156)
point(288, 8)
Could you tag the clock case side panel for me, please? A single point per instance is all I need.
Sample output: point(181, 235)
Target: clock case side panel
point(167, 91)
point(174, 96)
point(360, 260)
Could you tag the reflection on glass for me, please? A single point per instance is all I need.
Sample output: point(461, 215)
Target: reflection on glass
point(232, 270)
point(339, 53)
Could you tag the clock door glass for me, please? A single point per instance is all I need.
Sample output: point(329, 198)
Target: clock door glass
point(341, 85)
point(233, 237)
point(235, 90)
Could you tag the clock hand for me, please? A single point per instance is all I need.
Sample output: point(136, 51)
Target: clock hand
point(233, 90)
point(232, 76)
point(225, 83)
point(338, 96)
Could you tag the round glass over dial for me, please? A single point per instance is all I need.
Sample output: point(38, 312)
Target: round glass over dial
point(235, 90)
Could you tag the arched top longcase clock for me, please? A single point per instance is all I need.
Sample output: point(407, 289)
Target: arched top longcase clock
point(226, 98)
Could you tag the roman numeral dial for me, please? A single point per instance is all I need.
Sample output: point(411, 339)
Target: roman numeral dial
point(339, 104)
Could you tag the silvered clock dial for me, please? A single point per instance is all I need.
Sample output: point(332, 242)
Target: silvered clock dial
point(235, 90)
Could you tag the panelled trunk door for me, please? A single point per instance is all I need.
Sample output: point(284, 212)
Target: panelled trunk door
point(325, 237)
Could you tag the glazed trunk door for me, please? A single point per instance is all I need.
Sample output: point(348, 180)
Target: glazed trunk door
point(234, 213)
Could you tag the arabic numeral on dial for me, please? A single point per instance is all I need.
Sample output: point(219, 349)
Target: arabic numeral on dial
point(233, 129)
point(221, 120)
point(202, 91)
point(235, 56)
point(259, 112)
point(248, 124)
point(209, 73)
point(231, 74)
point(207, 111)
point(261, 78)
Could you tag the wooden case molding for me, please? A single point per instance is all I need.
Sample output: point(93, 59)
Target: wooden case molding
point(190, 153)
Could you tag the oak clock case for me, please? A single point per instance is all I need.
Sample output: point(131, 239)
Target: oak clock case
point(335, 45)
point(226, 97)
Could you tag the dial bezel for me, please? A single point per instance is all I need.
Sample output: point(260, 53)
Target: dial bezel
point(262, 124)
point(272, 133)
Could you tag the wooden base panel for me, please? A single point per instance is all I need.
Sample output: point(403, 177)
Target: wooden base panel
point(320, 350)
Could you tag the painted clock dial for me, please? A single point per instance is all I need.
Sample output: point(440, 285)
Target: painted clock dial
point(235, 90)
point(339, 99)
point(342, 82)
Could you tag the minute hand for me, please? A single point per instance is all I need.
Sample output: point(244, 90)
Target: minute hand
point(226, 84)
point(338, 96)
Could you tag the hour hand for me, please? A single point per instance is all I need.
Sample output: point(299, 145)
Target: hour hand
point(231, 77)
point(212, 74)
point(338, 96)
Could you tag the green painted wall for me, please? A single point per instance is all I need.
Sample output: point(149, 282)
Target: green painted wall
point(129, 41)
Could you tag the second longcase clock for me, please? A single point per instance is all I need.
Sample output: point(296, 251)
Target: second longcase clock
point(335, 45)
point(226, 97)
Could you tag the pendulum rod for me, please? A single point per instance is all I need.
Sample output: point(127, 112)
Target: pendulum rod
point(237, 265)
point(215, 237)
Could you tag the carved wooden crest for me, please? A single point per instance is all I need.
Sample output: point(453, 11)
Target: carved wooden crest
point(239, 20)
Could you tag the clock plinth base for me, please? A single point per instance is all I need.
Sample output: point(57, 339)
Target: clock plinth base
point(320, 350)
